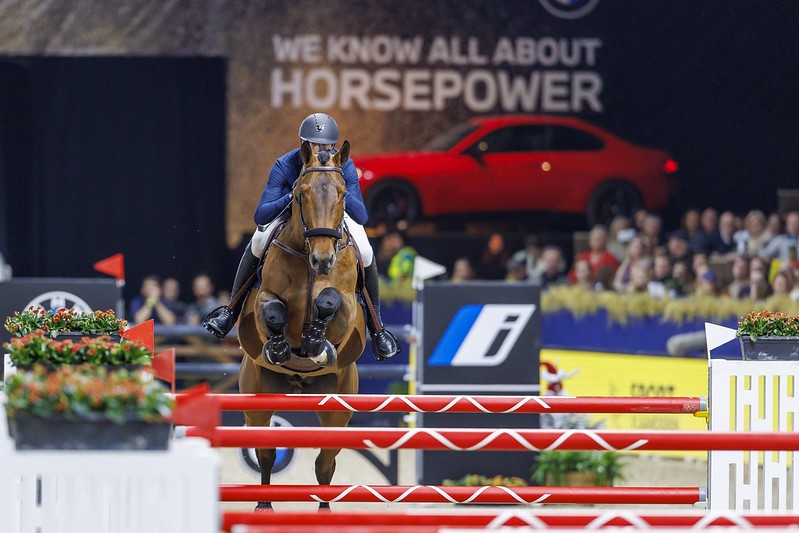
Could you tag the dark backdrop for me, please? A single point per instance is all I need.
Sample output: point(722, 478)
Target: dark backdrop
point(103, 155)
point(713, 83)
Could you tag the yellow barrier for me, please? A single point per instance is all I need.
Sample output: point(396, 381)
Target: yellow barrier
point(609, 374)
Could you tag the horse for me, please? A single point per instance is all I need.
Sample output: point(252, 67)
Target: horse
point(303, 329)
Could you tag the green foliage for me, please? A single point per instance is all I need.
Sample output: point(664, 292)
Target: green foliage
point(88, 392)
point(622, 308)
point(64, 320)
point(610, 469)
point(553, 465)
point(38, 347)
point(768, 324)
point(476, 480)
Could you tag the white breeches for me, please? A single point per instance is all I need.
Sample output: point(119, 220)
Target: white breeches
point(264, 233)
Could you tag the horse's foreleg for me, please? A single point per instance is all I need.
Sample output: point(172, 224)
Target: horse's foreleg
point(325, 465)
point(314, 345)
point(276, 350)
point(266, 461)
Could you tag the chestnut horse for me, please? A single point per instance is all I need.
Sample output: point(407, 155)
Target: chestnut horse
point(303, 328)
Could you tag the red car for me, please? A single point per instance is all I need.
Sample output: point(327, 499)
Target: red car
point(516, 164)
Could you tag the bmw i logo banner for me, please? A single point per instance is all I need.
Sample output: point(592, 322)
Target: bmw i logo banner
point(482, 335)
point(478, 337)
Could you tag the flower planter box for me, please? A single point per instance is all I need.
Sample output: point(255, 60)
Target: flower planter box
point(31, 432)
point(87, 408)
point(107, 368)
point(76, 336)
point(770, 348)
point(75, 348)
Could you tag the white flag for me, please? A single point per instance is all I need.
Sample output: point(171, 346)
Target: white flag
point(425, 269)
point(716, 335)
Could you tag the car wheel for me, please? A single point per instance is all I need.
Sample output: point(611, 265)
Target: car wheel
point(613, 199)
point(392, 202)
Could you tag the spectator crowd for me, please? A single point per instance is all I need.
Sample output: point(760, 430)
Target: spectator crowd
point(161, 301)
point(718, 255)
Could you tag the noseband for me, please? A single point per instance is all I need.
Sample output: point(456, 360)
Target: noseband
point(319, 232)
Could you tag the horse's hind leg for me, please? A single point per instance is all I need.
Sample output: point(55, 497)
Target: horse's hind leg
point(276, 350)
point(314, 345)
point(266, 456)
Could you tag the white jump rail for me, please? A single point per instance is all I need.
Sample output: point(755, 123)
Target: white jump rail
point(424, 520)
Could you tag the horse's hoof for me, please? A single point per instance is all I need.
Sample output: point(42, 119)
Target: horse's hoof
point(277, 352)
point(312, 346)
point(326, 356)
point(263, 507)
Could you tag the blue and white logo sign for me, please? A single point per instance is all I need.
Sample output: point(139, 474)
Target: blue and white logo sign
point(569, 9)
point(55, 300)
point(284, 457)
point(481, 335)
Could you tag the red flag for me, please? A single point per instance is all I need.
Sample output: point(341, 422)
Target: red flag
point(143, 333)
point(164, 366)
point(113, 266)
point(196, 408)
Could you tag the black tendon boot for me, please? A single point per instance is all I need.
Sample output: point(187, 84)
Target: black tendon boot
point(221, 320)
point(384, 343)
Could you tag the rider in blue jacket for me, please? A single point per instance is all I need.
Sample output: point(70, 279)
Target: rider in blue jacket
point(322, 132)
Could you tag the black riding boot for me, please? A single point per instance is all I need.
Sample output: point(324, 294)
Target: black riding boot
point(384, 343)
point(221, 320)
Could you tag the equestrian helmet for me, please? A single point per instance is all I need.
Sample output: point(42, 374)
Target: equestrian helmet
point(319, 128)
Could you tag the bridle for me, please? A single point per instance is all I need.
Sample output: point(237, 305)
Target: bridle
point(335, 234)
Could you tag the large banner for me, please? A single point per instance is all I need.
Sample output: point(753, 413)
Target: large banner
point(666, 74)
point(508, 73)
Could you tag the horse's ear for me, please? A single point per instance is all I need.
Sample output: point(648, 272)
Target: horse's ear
point(306, 152)
point(343, 155)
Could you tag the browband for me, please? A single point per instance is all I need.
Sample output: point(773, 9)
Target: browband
point(304, 171)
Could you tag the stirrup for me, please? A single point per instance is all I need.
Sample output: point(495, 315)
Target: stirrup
point(219, 321)
point(382, 342)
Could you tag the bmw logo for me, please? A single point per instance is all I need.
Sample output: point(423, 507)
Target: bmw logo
point(284, 459)
point(54, 300)
point(569, 9)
